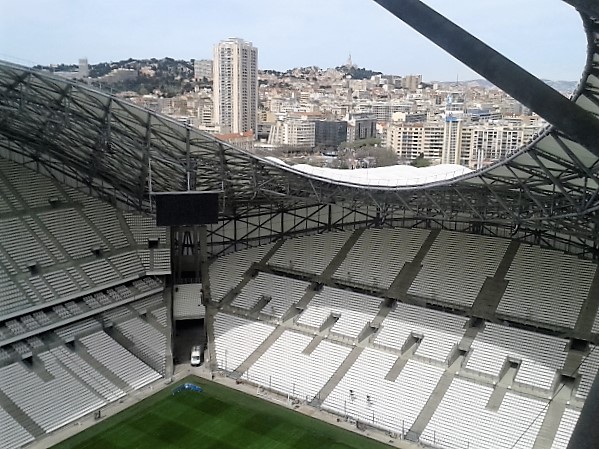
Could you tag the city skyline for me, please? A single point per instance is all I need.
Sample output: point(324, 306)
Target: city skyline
point(288, 38)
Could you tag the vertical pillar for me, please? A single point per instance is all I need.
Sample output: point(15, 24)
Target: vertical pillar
point(202, 247)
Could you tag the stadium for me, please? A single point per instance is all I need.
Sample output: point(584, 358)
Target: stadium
point(443, 309)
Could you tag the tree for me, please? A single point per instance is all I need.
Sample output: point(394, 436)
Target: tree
point(421, 161)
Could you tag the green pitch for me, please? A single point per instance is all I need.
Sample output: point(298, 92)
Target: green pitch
point(217, 418)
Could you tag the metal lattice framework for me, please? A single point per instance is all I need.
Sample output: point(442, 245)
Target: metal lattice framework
point(123, 153)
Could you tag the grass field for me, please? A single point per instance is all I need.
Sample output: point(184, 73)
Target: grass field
point(218, 417)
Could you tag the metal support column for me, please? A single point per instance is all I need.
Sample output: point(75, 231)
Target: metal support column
point(206, 297)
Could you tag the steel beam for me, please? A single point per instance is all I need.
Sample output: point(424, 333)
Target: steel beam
point(568, 117)
point(589, 7)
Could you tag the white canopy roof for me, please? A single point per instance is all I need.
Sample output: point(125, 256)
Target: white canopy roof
point(395, 175)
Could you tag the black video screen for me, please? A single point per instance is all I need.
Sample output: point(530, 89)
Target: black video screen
point(186, 209)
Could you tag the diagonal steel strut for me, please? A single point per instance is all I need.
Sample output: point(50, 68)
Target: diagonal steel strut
point(589, 7)
point(565, 115)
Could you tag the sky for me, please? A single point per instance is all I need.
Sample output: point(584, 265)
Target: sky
point(544, 36)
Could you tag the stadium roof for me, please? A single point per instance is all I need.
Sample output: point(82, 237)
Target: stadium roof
point(123, 153)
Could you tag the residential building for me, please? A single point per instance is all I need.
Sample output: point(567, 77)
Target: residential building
point(202, 68)
point(409, 140)
point(292, 132)
point(235, 85)
point(244, 141)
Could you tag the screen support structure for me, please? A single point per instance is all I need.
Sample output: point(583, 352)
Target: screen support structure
point(189, 255)
point(206, 296)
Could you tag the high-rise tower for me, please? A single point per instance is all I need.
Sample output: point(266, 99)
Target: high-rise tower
point(235, 85)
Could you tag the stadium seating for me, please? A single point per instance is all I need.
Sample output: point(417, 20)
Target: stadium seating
point(118, 360)
point(105, 219)
point(72, 265)
point(311, 254)
point(87, 374)
point(149, 342)
point(588, 371)
point(539, 356)
point(22, 247)
point(282, 292)
point(385, 250)
point(13, 434)
point(33, 190)
point(284, 368)
point(365, 395)
point(39, 398)
point(56, 224)
point(354, 311)
point(454, 269)
point(127, 264)
point(71, 231)
point(160, 315)
point(143, 228)
point(538, 295)
point(52, 317)
point(236, 338)
point(565, 429)
point(438, 333)
point(462, 419)
point(227, 271)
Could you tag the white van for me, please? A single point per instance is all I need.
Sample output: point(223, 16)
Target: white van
point(196, 355)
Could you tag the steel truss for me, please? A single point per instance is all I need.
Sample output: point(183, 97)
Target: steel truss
point(258, 225)
point(123, 153)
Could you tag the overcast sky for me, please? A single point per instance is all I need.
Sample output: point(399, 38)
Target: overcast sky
point(544, 36)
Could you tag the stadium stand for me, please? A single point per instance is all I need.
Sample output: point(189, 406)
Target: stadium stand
point(285, 368)
point(565, 429)
point(87, 374)
point(350, 311)
point(71, 231)
point(539, 357)
point(79, 312)
point(278, 293)
point(148, 340)
point(438, 333)
point(544, 289)
point(67, 267)
point(236, 338)
point(161, 316)
point(227, 271)
point(463, 420)
point(503, 373)
point(38, 398)
point(322, 248)
point(454, 269)
point(364, 394)
point(13, 434)
point(119, 361)
point(588, 371)
point(373, 246)
point(26, 192)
